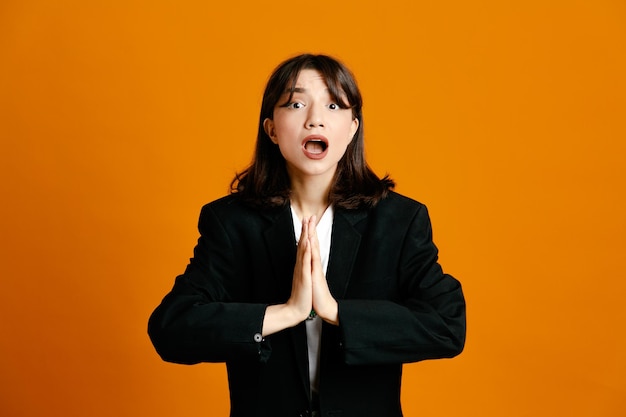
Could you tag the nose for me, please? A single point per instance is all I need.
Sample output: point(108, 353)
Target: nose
point(314, 118)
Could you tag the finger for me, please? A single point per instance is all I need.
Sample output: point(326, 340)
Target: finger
point(304, 249)
point(315, 245)
point(312, 231)
point(306, 256)
point(316, 258)
point(303, 242)
point(304, 235)
point(312, 226)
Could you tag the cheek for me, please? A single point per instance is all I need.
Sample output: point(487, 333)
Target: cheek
point(284, 128)
point(349, 130)
point(341, 146)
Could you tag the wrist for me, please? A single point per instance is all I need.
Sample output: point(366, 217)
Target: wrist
point(330, 313)
point(280, 317)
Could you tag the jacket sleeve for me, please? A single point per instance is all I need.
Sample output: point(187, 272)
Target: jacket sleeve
point(198, 320)
point(427, 321)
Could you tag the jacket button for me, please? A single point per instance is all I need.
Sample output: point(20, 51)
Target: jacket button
point(258, 337)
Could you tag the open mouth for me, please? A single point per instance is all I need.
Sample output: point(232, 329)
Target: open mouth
point(315, 146)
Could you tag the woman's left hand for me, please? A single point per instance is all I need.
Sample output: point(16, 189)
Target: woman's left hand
point(324, 304)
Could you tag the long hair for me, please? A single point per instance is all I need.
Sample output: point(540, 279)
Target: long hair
point(265, 183)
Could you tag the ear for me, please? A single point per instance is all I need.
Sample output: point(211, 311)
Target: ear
point(268, 126)
point(354, 127)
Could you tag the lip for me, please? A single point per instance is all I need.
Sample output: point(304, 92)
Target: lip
point(315, 138)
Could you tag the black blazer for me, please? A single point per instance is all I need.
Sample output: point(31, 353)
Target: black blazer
point(395, 306)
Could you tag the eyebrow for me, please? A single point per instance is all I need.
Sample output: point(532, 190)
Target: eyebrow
point(299, 90)
point(295, 90)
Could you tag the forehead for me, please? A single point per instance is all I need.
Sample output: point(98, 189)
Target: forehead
point(310, 77)
point(307, 81)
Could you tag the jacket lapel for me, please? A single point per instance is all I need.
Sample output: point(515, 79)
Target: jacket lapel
point(344, 246)
point(281, 244)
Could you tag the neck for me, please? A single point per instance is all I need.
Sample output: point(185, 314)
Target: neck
point(309, 197)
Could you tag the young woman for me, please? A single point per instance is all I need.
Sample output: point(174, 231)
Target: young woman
point(313, 280)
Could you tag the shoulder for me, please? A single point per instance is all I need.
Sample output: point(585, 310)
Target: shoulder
point(395, 212)
point(231, 209)
point(404, 216)
point(399, 205)
point(399, 212)
point(226, 203)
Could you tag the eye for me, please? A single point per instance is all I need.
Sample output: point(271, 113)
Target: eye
point(333, 106)
point(295, 105)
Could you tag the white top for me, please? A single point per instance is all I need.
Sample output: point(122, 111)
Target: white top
point(314, 326)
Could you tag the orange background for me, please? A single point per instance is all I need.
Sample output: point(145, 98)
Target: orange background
point(119, 119)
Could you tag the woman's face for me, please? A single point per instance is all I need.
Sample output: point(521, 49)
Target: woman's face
point(311, 131)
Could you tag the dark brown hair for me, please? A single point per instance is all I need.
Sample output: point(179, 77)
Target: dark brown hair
point(265, 183)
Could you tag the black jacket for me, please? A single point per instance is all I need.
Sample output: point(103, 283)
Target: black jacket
point(395, 306)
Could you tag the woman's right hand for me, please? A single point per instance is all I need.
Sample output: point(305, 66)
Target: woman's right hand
point(282, 316)
point(301, 300)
